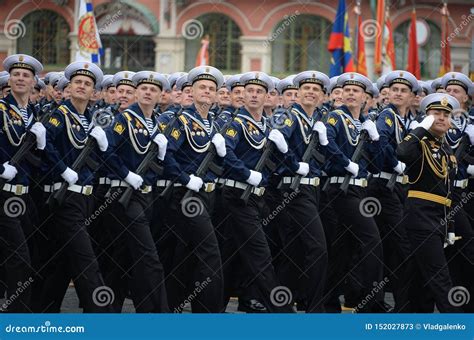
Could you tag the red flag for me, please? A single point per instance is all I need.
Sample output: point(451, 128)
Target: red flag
point(390, 46)
point(203, 54)
point(413, 62)
point(361, 63)
point(379, 37)
point(445, 66)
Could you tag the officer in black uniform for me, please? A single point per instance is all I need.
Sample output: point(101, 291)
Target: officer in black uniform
point(304, 264)
point(68, 130)
point(137, 265)
point(15, 216)
point(461, 255)
point(431, 168)
point(197, 259)
point(245, 141)
point(344, 126)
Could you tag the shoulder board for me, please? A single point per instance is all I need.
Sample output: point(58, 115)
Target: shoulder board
point(127, 116)
point(3, 106)
point(63, 109)
point(183, 119)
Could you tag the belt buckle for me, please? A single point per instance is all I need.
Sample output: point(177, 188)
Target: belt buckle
point(18, 189)
point(316, 181)
point(363, 182)
point(404, 179)
point(87, 191)
point(209, 187)
point(146, 189)
point(464, 184)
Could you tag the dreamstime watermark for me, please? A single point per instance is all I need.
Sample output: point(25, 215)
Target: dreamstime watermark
point(465, 22)
point(465, 198)
point(22, 286)
point(102, 207)
point(458, 296)
point(192, 29)
point(109, 20)
point(281, 296)
point(103, 296)
point(370, 29)
point(287, 21)
point(192, 207)
point(369, 207)
point(14, 207)
point(378, 287)
point(288, 198)
point(14, 29)
point(199, 288)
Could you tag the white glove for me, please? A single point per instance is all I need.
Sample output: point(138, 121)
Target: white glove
point(162, 143)
point(39, 131)
point(10, 172)
point(371, 129)
point(70, 176)
point(276, 137)
point(219, 143)
point(134, 180)
point(99, 134)
point(427, 122)
point(470, 132)
point(353, 168)
point(303, 169)
point(451, 239)
point(470, 170)
point(195, 183)
point(400, 168)
point(320, 128)
point(255, 178)
point(413, 125)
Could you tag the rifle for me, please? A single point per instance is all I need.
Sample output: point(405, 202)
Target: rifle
point(357, 155)
point(264, 161)
point(28, 144)
point(207, 162)
point(149, 161)
point(310, 152)
point(56, 199)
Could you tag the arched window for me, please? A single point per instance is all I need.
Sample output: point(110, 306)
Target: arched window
point(46, 38)
point(127, 35)
point(429, 54)
point(300, 43)
point(224, 44)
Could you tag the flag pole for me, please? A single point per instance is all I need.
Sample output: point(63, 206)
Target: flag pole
point(356, 40)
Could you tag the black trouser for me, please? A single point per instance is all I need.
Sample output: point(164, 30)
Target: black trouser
point(303, 265)
point(239, 284)
point(426, 232)
point(252, 246)
point(162, 230)
point(197, 269)
point(15, 253)
point(357, 235)
point(396, 245)
point(46, 247)
point(460, 256)
point(74, 257)
point(136, 263)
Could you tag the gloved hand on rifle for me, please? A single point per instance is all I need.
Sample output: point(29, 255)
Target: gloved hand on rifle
point(162, 143)
point(39, 131)
point(9, 172)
